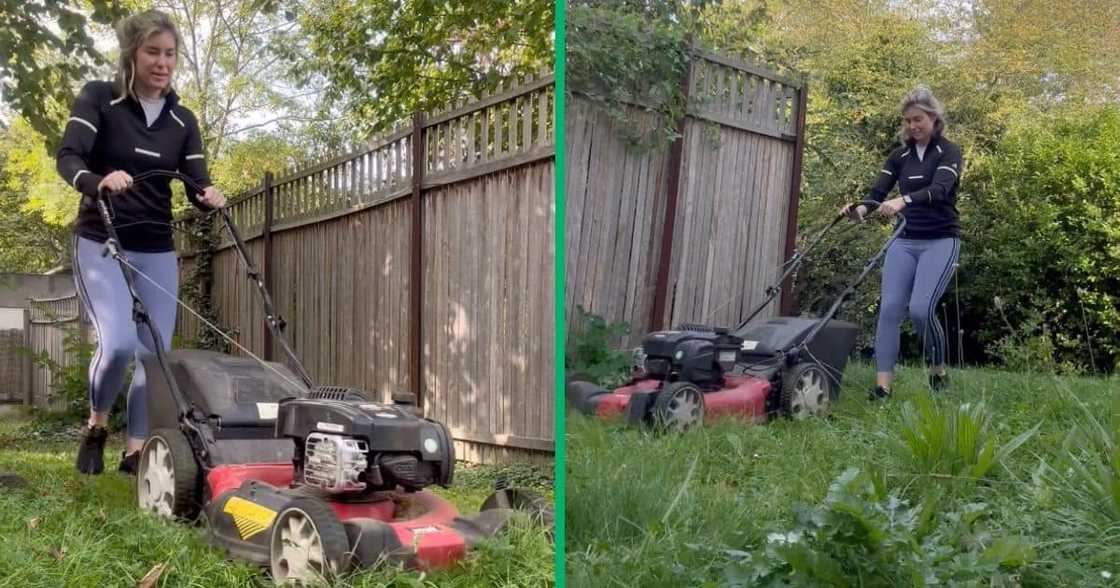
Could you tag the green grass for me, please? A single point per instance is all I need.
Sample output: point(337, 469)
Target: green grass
point(662, 510)
point(65, 529)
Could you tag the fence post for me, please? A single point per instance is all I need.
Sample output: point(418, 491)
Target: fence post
point(786, 303)
point(416, 273)
point(266, 257)
point(676, 158)
point(28, 396)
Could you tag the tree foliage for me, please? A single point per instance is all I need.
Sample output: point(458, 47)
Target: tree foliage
point(383, 60)
point(629, 59)
point(35, 205)
point(46, 50)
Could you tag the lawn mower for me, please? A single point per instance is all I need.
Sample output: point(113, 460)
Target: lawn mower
point(307, 480)
point(782, 366)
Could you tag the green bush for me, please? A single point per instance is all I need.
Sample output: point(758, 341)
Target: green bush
point(70, 383)
point(1042, 237)
point(591, 351)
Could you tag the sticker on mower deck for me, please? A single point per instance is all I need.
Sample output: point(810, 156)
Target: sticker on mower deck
point(267, 410)
point(749, 345)
point(250, 518)
point(332, 427)
point(417, 531)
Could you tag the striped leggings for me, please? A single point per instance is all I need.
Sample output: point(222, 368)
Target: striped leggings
point(916, 273)
point(103, 290)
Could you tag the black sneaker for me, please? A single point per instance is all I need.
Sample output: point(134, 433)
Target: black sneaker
point(129, 463)
point(879, 393)
point(938, 382)
point(92, 450)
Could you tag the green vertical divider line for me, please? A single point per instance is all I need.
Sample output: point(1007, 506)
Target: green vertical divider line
point(558, 300)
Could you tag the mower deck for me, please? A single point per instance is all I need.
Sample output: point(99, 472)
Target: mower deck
point(420, 530)
point(742, 397)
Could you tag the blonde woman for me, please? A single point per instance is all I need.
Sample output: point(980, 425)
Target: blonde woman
point(117, 130)
point(918, 265)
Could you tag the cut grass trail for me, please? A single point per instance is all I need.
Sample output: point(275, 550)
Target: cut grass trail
point(65, 529)
point(662, 510)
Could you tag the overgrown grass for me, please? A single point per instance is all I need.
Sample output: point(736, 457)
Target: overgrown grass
point(64, 529)
point(689, 510)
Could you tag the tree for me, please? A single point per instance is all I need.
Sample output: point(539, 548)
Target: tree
point(46, 50)
point(35, 205)
point(383, 60)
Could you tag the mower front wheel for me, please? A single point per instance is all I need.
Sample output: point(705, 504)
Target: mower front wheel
point(167, 476)
point(679, 407)
point(308, 545)
point(807, 391)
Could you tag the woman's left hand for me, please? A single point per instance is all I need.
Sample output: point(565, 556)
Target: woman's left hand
point(213, 197)
point(892, 207)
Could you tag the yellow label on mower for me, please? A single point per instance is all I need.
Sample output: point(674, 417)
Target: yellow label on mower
point(249, 517)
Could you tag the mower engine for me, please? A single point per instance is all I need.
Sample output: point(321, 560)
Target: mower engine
point(345, 443)
point(694, 353)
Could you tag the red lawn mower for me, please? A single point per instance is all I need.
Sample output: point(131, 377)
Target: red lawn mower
point(307, 480)
point(782, 366)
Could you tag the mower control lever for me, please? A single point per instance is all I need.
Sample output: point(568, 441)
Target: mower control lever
point(852, 209)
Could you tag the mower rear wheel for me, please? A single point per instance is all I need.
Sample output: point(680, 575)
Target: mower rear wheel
point(807, 391)
point(308, 545)
point(679, 407)
point(167, 476)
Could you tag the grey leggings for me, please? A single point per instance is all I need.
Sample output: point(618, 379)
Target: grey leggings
point(915, 275)
point(103, 291)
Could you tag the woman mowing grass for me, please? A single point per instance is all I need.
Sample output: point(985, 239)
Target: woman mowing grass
point(116, 130)
point(918, 265)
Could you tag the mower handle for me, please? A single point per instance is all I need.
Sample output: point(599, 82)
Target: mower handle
point(798, 256)
point(872, 206)
point(273, 320)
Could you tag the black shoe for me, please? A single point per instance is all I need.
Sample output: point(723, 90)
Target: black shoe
point(938, 382)
point(129, 463)
point(879, 393)
point(92, 450)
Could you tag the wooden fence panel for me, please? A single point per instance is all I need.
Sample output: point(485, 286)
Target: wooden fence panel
point(12, 365)
point(340, 269)
point(731, 225)
point(733, 197)
point(614, 203)
point(49, 322)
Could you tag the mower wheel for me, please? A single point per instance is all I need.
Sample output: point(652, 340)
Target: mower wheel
point(679, 407)
point(167, 476)
point(308, 544)
point(807, 391)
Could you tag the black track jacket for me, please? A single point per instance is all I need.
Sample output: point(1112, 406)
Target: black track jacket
point(106, 134)
point(931, 185)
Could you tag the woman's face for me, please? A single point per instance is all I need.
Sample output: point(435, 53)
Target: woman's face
point(919, 123)
point(155, 63)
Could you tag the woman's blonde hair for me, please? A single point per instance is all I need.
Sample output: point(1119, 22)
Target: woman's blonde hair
point(131, 34)
point(924, 99)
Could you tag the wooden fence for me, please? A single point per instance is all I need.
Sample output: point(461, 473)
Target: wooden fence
point(13, 366)
point(421, 263)
point(695, 231)
point(48, 322)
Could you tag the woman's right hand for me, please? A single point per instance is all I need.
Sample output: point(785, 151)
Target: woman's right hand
point(115, 182)
point(860, 211)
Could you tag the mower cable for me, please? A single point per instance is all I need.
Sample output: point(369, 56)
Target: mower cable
point(828, 370)
point(209, 324)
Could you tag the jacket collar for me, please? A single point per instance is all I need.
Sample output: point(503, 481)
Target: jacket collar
point(171, 99)
point(933, 141)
